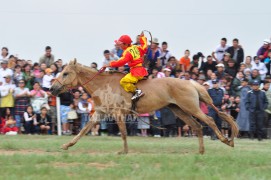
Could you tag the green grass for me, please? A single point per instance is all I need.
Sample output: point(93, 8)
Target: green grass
point(40, 157)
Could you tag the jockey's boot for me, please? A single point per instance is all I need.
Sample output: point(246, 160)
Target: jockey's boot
point(138, 94)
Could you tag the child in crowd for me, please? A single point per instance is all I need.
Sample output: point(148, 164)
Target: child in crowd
point(47, 78)
point(36, 70)
point(84, 109)
point(10, 124)
point(39, 77)
point(72, 115)
point(44, 121)
point(30, 120)
point(143, 124)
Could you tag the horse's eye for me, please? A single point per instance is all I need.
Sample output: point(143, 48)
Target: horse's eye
point(65, 74)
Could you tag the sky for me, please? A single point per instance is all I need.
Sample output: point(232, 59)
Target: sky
point(83, 29)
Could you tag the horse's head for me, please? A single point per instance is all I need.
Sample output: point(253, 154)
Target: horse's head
point(66, 80)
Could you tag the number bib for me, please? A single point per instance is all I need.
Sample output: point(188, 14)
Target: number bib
point(134, 52)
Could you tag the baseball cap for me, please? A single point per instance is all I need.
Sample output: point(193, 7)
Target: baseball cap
point(215, 81)
point(48, 70)
point(7, 76)
point(124, 39)
point(166, 69)
point(255, 82)
point(220, 65)
point(266, 41)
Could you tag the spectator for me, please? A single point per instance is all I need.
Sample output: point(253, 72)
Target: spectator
point(256, 102)
point(259, 66)
point(117, 51)
point(7, 94)
point(94, 66)
point(267, 62)
point(84, 109)
point(36, 70)
point(47, 79)
point(54, 69)
point(39, 98)
point(217, 95)
point(263, 51)
point(236, 84)
point(195, 62)
point(30, 120)
point(173, 64)
point(59, 64)
point(164, 56)
point(248, 62)
point(231, 69)
point(226, 59)
point(5, 71)
point(4, 53)
point(66, 100)
point(220, 71)
point(143, 124)
point(152, 54)
point(21, 95)
point(108, 57)
point(167, 72)
point(43, 66)
point(209, 65)
point(39, 79)
point(10, 124)
point(185, 61)
point(18, 75)
point(242, 67)
point(44, 121)
point(218, 53)
point(28, 76)
point(72, 116)
point(52, 111)
point(236, 52)
point(48, 58)
point(255, 76)
point(168, 121)
point(12, 62)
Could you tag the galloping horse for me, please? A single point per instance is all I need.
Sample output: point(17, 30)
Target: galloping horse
point(181, 96)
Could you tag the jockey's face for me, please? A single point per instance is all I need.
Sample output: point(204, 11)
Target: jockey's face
point(123, 46)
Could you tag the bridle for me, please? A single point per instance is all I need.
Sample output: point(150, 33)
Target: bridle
point(70, 88)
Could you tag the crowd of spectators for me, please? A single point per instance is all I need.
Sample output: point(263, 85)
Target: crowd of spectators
point(231, 79)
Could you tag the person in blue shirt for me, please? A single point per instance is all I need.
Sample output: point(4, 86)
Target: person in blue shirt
point(256, 103)
point(217, 95)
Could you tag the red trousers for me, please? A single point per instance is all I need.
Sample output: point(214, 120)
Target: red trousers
point(8, 129)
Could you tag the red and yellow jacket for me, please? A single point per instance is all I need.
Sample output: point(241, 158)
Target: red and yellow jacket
point(133, 56)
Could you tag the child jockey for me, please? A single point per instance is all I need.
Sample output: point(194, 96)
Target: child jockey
point(133, 55)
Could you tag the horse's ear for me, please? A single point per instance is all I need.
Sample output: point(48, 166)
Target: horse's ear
point(73, 62)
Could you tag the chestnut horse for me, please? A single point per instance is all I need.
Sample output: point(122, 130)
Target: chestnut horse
point(181, 96)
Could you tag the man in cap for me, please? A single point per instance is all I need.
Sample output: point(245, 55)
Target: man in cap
point(133, 56)
point(153, 53)
point(220, 71)
point(5, 71)
point(256, 102)
point(217, 95)
point(263, 51)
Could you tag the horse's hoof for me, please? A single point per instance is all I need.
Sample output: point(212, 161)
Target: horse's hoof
point(231, 143)
point(122, 152)
point(64, 147)
point(201, 152)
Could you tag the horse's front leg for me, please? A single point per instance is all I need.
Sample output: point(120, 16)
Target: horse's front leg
point(92, 122)
point(122, 127)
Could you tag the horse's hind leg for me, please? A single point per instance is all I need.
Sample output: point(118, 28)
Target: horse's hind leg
point(92, 122)
point(189, 120)
point(122, 127)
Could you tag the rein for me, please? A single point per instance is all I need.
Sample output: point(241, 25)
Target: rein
point(74, 87)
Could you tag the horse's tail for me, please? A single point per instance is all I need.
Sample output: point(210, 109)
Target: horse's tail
point(204, 97)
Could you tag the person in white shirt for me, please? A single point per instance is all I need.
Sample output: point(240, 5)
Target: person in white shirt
point(108, 57)
point(5, 71)
point(219, 52)
point(47, 79)
point(260, 66)
point(7, 97)
point(84, 109)
point(164, 56)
